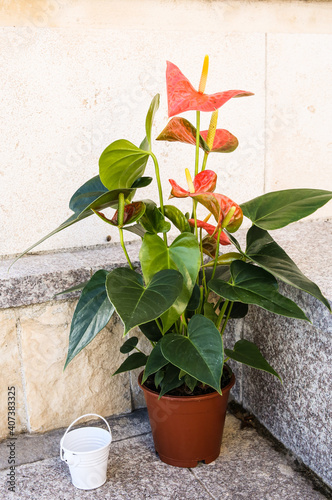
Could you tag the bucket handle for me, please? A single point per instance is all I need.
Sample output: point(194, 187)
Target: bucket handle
point(74, 422)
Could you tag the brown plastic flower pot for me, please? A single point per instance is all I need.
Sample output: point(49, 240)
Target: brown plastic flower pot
point(187, 430)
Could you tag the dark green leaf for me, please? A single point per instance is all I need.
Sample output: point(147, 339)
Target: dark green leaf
point(176, 216)
point(129, 345)
point(133, 361)
point(280, 208)
point(91, 315)
point(141, 182)
point(194, 299)
point(137, 304)
point(150, 117)
point(155, 362)
point(170, 380)
point(262, 249)
point(184, 255)
point(108, 199)
point(191, 382)
point(153, 220)
point(248, 353)
point(158, 377)
point(121, 163)
point(73, 288)
point(200, 354)
point(151, 331)
point(86, 194)
point(253, 285)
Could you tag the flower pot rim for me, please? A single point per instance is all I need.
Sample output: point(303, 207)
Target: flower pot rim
point(213, 394)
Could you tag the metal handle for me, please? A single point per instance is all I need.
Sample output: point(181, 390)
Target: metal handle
point(74, 422)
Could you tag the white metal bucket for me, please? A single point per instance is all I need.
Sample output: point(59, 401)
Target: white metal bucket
point(86, 450)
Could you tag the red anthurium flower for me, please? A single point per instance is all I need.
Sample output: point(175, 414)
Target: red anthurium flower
point(132, 212)
point(182, 96)
point(203, 182)
point(210, 229)
point(181, 130)
point(219, 205)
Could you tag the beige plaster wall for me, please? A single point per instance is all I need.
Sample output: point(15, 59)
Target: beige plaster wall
point(76, 75)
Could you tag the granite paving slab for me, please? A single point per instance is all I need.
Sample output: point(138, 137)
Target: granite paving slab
point(249, 467)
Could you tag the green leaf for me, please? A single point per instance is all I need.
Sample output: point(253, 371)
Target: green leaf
point(136, 229)
point(176, 216)
point(86, 194)
point(73, 288)
point(150, 117)
point(141, 182)
point(108, 199)
point(184, 255)
point(226, 259)
point(137, 304)
point(280, 208)
point(91, 315)
point(151, 331)
point(200, 354)
point(170, 380)
point(248, 353)
point(262, 249)
point(191, 382)
point(121, 163)
point(155, 362)
point(158, 377)
point(253, 285)
point(153, 220)
point(194, 299)
point(209, 312)
point(133, 361)
point(129, 345)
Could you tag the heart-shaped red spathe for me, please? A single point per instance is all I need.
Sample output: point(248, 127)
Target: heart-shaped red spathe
point(219, 205)
point(181, 130)
point(203, 182)
point(210, 229)
point(182, 96)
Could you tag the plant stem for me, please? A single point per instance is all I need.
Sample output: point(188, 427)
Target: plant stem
point(217, 253)
point(160, 190)
point(159, 325)
point(198, 119)
point(124, 248)
point(221, 314)
point(204, 161)
point(227, 318)
point(202, 261)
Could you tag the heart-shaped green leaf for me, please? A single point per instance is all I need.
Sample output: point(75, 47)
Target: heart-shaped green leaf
point(150, 117)
point(86, 194)
point(129, 345)
point(184, 255)
point(200, 354)
point(280, 208)
point(170, 380)
point(155, 362)
point(262, 249)
point(137, 304)
point(121, 163)
point(176, 216)
point(153, 220)
point(248, 353)
point(91, 315)
point(135, 360)
point(253, 285)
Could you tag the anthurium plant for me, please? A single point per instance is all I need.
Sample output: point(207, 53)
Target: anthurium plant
point(186, 289)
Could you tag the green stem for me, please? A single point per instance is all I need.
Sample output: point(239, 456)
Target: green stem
point(184, 323)
point(124, 248)
point(120, 224)
point(227, 318)
point(195, 217)
point(198, 119)
point(204, 161)
point(160, 190)
point(217, 254)
point(221, 314)
point(159, 325)
point(202, 261)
